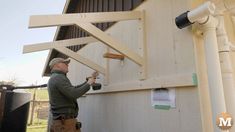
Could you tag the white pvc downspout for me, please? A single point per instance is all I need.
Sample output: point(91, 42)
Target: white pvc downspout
point(224, 48)
point(208, 24)
point(226, 68)
point(213, 69)
point(224, 5)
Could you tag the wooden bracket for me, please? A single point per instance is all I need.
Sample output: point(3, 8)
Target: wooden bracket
point(57, 44)
point(84, 21)
point(113, 56)
point(80, 59)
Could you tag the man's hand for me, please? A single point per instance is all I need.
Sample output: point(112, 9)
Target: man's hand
point(95, 74)
point(91, 80)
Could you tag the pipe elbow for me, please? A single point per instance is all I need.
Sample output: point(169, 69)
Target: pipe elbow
point(199, 14)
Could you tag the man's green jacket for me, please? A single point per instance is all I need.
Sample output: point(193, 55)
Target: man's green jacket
point(63, 95)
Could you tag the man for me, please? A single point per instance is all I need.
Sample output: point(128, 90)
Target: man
point(63, 96)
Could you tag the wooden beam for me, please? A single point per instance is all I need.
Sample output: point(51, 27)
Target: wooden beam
point(61, 43)
point(171, 81)
point(81, 59)
point(70, 19)
point(113, 56)
point(111, 42)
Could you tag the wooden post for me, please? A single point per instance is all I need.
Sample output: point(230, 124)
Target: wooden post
point(33, 106)
point(106, 77)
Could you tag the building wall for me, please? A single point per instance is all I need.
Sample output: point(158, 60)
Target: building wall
point(127, 106)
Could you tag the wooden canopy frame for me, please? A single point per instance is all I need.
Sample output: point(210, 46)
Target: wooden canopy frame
point(84, 21)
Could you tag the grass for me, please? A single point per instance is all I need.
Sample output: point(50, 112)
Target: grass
point(38, 125)
point(41, 94)
point(36, 129)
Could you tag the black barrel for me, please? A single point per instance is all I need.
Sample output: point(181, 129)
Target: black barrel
point(14, 111)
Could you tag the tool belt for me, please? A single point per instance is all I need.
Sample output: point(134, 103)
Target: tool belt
point(63, 118)
point(78, 125)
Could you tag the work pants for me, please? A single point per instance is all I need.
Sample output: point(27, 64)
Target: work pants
point(66, 125)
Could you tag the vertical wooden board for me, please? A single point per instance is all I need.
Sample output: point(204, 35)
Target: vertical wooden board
point(107, 68)
point(159, 38)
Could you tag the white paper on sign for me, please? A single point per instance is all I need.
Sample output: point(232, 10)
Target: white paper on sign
point(163, 97)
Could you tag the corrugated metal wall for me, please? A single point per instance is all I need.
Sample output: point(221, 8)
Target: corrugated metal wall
point(81, 6)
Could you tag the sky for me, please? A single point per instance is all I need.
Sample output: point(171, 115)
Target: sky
point(26, 69)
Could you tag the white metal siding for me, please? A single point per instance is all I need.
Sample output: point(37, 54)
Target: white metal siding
point(170, 52)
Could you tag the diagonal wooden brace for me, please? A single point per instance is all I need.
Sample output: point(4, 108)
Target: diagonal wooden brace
point(81, 59)
point(111, 42)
